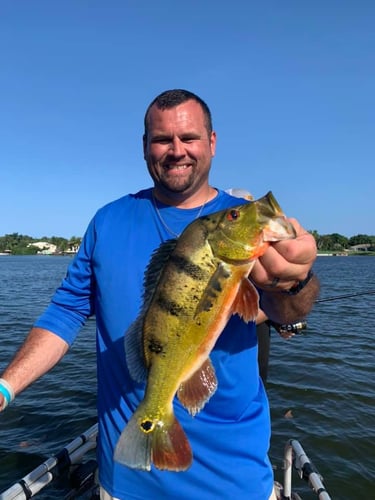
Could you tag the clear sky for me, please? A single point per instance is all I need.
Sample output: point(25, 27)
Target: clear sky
point(290, 83)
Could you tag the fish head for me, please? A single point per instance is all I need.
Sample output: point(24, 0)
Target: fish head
point(244, 232)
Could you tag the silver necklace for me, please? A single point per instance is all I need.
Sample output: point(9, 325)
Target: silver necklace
point(173, 233)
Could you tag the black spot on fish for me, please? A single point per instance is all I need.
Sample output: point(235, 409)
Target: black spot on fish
point(185, 266)
point(155, 346)
point(147, 425)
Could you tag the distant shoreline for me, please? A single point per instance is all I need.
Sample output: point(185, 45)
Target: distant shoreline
point(344, 254)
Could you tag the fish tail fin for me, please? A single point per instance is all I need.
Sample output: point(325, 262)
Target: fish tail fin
point(134, 446)
point(170, 447)
point(164, 443)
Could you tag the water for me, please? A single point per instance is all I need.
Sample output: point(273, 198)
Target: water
point(321, 385)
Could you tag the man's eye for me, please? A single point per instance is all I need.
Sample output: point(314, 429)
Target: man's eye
point(189, 139)
point(161, 140)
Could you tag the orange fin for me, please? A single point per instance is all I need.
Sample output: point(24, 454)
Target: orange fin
point(246, 303)
point(170, 447)
point(164, 444)
point(197, 390)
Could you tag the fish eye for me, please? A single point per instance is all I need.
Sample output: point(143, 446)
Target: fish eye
point(233, 214)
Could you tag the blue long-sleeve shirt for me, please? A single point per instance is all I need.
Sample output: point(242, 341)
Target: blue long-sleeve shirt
point(230, 435)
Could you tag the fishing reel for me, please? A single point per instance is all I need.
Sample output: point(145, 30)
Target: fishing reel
point(290, 329)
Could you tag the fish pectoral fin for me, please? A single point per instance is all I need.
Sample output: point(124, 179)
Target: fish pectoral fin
point(246, 303)
point(197, 390)
point(213, 289)
point(170, 447)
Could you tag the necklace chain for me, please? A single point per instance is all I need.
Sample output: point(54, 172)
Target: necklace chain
point(176, 235)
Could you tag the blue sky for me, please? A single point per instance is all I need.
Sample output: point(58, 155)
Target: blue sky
point(291, 86)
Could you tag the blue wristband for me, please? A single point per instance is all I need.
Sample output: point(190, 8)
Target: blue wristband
point(7, 391)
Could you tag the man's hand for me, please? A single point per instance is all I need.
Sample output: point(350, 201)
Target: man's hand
point(283, 267)
point(285, 262)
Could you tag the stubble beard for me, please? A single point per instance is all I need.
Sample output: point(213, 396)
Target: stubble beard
point(179, 185)
point(175, 184)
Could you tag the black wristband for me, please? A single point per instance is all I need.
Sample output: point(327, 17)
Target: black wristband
point(300, 285)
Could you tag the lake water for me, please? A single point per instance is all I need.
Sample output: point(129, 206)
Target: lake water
point(321, 384)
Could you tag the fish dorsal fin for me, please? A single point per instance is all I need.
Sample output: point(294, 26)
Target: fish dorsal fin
point(134, 351)
point(154, 269)
point(197, 390)
point(246, 303)
point(133, 337)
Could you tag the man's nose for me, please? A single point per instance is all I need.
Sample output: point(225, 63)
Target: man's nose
point(177, 147)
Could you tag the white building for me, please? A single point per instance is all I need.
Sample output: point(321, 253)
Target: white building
point(44, 247)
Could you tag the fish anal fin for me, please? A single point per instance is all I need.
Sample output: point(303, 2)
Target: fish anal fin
point(246, 303)
point(197, 390)
point(170, 447)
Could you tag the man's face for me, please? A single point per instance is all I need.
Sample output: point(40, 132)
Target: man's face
point(178, 148)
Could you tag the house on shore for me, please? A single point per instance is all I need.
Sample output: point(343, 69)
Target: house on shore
point(364, 247)
point(44, 248)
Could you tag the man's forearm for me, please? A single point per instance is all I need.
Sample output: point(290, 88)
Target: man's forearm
point(40, 352)
point(283, 308)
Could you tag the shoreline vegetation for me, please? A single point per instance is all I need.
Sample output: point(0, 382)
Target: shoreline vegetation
point(19, 244)
point(328, 245)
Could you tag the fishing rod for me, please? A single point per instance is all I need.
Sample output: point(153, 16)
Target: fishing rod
point(287, 330)
point(346, 296)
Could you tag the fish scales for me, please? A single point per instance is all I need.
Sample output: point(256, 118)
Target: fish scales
point(192, 287)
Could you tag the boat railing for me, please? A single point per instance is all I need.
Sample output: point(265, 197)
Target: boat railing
point(45, 473)
point(295, 457)
point(72, 454)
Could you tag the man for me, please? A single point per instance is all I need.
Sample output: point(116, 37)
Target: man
point(230, 436)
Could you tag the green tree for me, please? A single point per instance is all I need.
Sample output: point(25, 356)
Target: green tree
point(61, 243)
point(361, 239)
point(15, 242)
point(332, 242)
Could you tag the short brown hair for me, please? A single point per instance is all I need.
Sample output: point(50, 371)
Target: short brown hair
point(172, 98)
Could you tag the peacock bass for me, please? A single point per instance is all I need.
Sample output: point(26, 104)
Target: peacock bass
point(192, 287)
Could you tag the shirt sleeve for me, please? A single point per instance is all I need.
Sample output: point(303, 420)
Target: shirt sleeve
point(73, 301)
